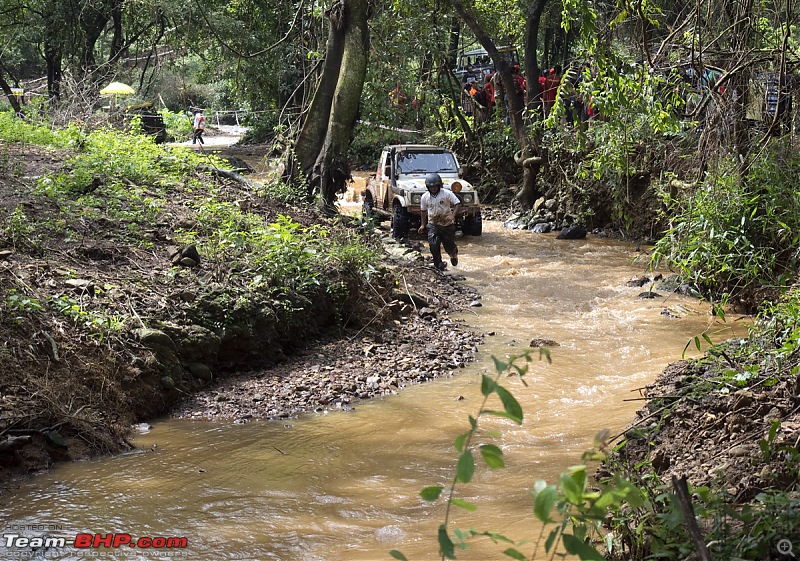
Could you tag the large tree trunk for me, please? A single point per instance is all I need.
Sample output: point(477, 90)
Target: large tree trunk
point(312, 136)
point(322, 145)
point(532, 69)
point(53, 57)
point(527, 148)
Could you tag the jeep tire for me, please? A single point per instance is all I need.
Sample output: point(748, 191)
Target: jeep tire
point(401, 222)
point(473, 225)
point(367, 213)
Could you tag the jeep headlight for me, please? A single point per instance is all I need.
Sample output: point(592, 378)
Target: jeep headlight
point(416, 198)
point(467, 197)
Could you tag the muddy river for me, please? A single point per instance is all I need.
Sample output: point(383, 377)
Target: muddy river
point(344, 485)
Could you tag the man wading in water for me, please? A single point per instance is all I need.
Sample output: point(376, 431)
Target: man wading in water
point(440, 207)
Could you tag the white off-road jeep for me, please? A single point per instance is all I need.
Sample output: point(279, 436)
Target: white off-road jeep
point(396, 189)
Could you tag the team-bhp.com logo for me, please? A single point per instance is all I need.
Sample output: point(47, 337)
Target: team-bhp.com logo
point(89, 541)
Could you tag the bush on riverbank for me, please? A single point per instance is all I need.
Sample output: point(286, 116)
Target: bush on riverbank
point(730, 424)
point(737, 240)
point(132, 274)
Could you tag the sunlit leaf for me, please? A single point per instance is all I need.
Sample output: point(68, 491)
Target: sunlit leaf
point(492, 455)
point(431, 493)
point(515, 554)
point(461, 503)
point(511, 405)
point(545, 501)
point(459, 442)
point(466, 467)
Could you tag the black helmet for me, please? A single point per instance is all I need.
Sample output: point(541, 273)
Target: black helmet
point(433, 179)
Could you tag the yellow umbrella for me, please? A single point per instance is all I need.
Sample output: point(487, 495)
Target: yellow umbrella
point(115, 89)
point(118, 88)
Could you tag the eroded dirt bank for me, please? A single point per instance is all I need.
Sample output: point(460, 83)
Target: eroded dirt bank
point(108, 321)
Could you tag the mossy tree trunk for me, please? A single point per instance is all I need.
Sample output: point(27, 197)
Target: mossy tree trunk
point(322, 145)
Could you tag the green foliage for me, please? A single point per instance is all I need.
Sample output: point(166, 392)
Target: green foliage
point(653, 527)
point(369, 140)
point(775, 337)
point(575, 508)
point(97, 321)
point(21, 303)
point(178, 124)
point(262, 128)
point(279, 190)
point(734, 237)
point(14, 129)
point(18, 229)
point(129, 180)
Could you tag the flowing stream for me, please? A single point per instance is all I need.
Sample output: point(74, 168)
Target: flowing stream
point(345, 485)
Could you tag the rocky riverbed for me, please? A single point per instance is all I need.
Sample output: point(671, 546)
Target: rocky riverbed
point(422, 342)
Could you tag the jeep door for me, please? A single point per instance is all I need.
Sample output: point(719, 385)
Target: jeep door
point(383, 181)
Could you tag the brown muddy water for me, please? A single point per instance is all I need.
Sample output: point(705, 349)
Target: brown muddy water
point(344, 485)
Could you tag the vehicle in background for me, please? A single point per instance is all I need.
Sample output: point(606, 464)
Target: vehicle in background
point(477, 63)
point(395, 190)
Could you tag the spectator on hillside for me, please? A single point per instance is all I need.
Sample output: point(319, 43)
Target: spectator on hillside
point(397, 97)
point(520, 84)
point(551, 84)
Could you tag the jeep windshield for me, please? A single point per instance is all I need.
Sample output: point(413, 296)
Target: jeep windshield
point(426, 162)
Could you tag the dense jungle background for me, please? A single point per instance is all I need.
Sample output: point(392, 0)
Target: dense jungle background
point(672, 124)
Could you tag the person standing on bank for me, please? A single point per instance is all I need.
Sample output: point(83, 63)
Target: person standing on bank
point(199, 127)
point(440, 207)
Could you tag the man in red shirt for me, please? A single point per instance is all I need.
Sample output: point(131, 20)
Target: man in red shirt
point(551, 84)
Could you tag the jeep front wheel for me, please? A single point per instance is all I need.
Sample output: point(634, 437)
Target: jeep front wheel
point(401, 222)
point(473, 225)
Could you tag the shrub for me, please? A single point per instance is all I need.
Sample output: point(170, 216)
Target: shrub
point(737, 237)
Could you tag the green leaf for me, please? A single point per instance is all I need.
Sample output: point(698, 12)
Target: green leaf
point(492, 455)
point(494, 536)
point(446, 547)
point(545, 352)
point(487, 385)
point(545, 501)
point(397, 555)
point(499, 365)
point(466, 467)
point(460, 440)
point(431, 493)
point(551, 539)
point(773, 430)
point(580, 548)
point(511, 405)
point(461, 503)
point(573, 492)
point(515, 554)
